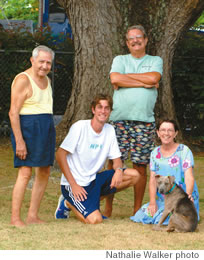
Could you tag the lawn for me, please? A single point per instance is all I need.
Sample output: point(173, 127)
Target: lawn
point(116, 233)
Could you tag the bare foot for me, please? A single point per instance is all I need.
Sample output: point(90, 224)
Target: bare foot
point(37, 220)
point(18, 223)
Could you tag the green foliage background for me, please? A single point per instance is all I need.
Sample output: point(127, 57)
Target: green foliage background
point(188, 83)
point(187, 68)
point(19, 9)
point(15, 53)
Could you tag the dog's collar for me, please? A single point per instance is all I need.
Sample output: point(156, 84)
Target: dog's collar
point(171, 189)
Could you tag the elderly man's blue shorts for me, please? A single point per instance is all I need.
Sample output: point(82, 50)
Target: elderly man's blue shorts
point(39, 135)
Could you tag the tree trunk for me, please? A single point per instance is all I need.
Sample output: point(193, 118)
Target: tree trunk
point(99, 29)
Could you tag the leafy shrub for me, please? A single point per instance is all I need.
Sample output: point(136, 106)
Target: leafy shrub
point(20, 38)
point(188, 83)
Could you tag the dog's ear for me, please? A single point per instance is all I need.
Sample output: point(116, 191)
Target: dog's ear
point(171, 179)
point(157, 176)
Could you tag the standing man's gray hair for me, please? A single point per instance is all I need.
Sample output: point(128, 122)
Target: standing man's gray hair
point(42, 48)
point(138, 27)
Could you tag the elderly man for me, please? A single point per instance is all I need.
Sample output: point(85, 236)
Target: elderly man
point(33, 132)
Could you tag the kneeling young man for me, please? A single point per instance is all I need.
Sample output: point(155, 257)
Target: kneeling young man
point(81, 157)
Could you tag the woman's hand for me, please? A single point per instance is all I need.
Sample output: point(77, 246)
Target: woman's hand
point(152, 209)
point(190, 197)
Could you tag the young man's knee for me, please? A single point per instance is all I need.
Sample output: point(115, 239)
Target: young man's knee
point(94, 218)
point(136, 179)
point(133, 175)
point(141, 168)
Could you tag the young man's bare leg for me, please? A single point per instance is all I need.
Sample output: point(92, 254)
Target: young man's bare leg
point(109, 199)
point(131, 178)
point(76, 212)
point(94, 218)
point(24, 175)
point(108, 205)
point(139, 187)
point(39, 186)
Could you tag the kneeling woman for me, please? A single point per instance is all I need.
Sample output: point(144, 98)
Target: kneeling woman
point(170, 158)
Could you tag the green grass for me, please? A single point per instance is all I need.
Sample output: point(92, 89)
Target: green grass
point(118, 232)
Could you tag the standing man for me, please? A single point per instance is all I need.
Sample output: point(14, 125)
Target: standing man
point(33, 132)
point(82, 156)
point(135, 78)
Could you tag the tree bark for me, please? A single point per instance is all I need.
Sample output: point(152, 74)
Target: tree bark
point(99, 28)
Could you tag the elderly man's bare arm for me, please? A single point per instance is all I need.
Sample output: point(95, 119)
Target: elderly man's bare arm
point(21, 90)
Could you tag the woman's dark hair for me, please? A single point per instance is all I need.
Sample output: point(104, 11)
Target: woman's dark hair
point(166, 120)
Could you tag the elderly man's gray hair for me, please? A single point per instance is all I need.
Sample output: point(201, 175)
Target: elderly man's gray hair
point(42, 48)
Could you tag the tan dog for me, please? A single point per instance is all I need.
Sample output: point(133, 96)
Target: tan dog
point(183, 213)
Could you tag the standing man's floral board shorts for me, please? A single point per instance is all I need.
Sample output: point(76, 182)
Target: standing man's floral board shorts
point(135, 137)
